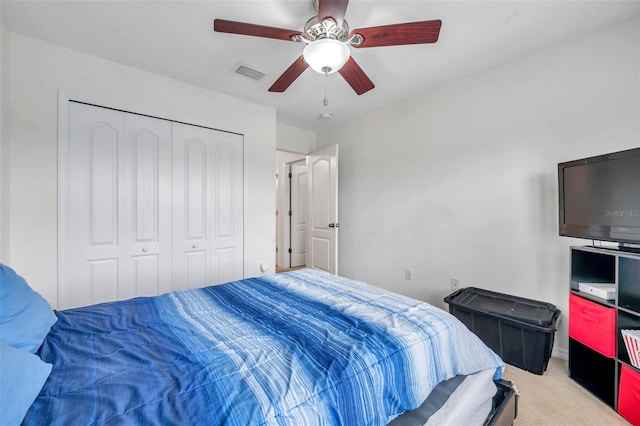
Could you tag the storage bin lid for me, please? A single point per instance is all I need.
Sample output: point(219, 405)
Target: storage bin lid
point(505, 305)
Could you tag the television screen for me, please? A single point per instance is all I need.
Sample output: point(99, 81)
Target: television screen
point(600, 197)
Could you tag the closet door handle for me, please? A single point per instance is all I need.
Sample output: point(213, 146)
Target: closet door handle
point(144, 250)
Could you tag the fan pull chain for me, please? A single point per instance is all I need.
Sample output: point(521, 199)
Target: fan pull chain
point(325, 101)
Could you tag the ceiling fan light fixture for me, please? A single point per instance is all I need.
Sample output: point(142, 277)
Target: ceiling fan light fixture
point(326, 55)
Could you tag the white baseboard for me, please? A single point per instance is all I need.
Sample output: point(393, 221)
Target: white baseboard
point(560, 353)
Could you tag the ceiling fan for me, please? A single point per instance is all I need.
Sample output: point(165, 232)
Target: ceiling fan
point(327, 38)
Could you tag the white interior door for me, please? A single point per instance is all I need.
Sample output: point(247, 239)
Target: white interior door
point(322, 222)
point(299, 188)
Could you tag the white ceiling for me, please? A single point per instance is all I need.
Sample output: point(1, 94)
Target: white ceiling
point(176, 39)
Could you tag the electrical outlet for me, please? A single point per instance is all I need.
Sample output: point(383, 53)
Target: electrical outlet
point(455, 283)
point(408, 274)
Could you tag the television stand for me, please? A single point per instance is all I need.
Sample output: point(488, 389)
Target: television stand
point(598, 356)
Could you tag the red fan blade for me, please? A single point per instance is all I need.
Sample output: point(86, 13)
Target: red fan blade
point(233, 27)
point(356, 78)
point(289, 75)
point(399, 34)
point(332, 9)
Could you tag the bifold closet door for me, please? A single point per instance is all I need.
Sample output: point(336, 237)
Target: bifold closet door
point(117, 212)
point(207, 206)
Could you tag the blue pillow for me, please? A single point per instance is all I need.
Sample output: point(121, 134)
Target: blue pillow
point(25, 317)
point(22, 375)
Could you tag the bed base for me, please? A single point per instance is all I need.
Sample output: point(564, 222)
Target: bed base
point(505, 405)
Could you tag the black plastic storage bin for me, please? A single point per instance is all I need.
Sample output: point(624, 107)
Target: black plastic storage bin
point(520, 330)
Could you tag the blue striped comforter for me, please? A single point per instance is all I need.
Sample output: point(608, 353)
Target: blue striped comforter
point(301, 348)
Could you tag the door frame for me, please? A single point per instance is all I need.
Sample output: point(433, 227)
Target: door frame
point(283, 231)
point(295, 214)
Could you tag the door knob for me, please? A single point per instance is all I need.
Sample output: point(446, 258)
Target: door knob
point(334, 225)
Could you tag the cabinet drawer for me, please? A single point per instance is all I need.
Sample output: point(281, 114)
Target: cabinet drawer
point(629, 395)
point(592, 325)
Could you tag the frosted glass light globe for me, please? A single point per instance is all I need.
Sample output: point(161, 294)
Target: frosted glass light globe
point(326, 55)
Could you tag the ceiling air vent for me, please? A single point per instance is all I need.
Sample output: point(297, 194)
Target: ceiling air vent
point(249, 72)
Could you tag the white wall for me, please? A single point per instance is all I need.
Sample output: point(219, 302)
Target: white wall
point(4, 142)
point(461, 181)
point(293, 139)
point(38, 70)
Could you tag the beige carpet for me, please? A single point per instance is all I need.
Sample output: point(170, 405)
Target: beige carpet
point(556, 400)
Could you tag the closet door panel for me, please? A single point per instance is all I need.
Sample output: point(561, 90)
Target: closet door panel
point(146, 275)
point(195, 269)
point(195, 189)
point(118, 207)
point(224, 195)
point(229, 214)
point(102, 274)
point(102, 170)
point(91, 258)
point(224, 257)
point(147, 207)
point(226, 261)
point(145, 184)
point(207, 200)
point(192, 225)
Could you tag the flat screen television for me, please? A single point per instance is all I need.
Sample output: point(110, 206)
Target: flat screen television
point(600, 198)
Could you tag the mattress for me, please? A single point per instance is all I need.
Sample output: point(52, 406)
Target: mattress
point(304, 347)
point(461, 400)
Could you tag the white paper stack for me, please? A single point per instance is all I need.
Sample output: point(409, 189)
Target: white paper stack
point(632, 342)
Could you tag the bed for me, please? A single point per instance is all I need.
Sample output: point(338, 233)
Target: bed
point(299, 348)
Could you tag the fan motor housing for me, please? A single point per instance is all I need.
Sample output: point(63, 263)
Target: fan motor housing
point(328, 28)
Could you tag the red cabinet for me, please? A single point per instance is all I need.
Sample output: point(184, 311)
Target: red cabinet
point(593, 325)
point(629, 395)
